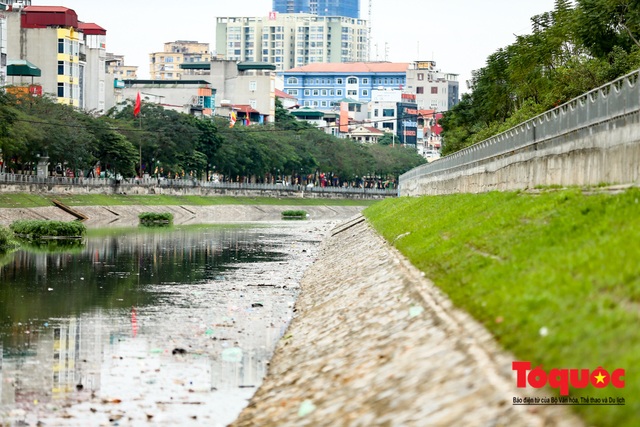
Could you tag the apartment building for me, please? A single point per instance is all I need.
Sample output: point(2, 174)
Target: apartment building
point(69, 53)
point(118, 69)
point(165, 65)
point(323, 86)
point(291, 40)
point(3, 44)
point(349, 8)
point(434, 89)
point(248, 88)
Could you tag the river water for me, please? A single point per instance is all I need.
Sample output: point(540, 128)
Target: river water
point(137, 327)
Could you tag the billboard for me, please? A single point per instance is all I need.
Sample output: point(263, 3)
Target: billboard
point(407, 123)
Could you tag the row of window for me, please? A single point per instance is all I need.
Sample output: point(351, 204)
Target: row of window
point(328, 92)
point(350, 81)
point(190, 58)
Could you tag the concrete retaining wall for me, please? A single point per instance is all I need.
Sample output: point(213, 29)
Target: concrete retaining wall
point(608, 152)
point(88, 186)
point(127, 216)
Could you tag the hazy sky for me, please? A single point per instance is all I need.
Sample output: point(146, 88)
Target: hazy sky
point(457, 34)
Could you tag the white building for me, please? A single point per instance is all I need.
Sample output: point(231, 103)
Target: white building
point(3, 44)
point(383, 108)
point(291, 40)
point(434, 89)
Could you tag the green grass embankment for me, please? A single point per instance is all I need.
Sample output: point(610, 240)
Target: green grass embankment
point(21, 200)
point(554, 276)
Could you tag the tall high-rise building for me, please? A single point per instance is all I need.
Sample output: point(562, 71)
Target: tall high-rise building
point(291, 40)
point(348, 8)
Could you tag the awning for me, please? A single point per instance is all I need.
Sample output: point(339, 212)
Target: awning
point(21, 67)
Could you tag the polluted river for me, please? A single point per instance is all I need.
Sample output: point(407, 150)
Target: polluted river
point(158, 327)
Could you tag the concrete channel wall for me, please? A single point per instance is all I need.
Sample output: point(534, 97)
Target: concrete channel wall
point(127, 216)
point(374, 343)
point(591, 140)
point(16, 183)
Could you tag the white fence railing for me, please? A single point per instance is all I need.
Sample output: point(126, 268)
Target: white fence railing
point(8, 179)
point(615, 99)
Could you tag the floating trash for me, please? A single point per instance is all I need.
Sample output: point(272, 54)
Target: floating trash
point(306, 408)
point(416, 310)
point(233, 354)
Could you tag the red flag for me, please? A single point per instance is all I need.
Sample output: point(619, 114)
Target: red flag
point(136, 108)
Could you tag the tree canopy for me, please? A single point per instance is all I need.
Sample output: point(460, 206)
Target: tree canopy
point(172, 144)
point(574, 48)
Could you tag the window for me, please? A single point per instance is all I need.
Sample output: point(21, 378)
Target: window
point(316, 92)
point(307, 92)
point(293, 92)
point(434, 90)
point(338, 81)
point(60, 90)
point(253, 85)
point(375, 112)
point(388, 112)
point(61, 68)
point(324, 103)
point(365, 81)
point(419, 89)
point(292, 81)
point(60, 45)
point(365, 92)
point(253, 104)
point(387, 126)
point(324, 92)
point(421, 76)
point(352, 93)
point(352, 81)
point(339, 92)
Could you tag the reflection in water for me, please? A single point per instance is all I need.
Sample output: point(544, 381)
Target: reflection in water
point(200, 311)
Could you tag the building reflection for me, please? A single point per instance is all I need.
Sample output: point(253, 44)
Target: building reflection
point(69, 331)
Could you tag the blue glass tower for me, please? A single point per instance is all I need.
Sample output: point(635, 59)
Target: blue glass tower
point(348, 8)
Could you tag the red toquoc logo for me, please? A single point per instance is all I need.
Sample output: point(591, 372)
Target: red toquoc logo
point(562, 378)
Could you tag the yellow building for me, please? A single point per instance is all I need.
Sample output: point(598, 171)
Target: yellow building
point(117, 68)
point(68, 79)
point(165, 65)
point(69, 53)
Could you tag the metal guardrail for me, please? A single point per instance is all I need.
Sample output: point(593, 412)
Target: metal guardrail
point(614, 99)
point(6, 178)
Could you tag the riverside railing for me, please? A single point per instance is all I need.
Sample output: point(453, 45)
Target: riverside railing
point(610, 101)
point(8, 179)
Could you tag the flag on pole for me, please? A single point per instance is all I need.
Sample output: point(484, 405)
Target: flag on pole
point(136, 107)
point(232, 118)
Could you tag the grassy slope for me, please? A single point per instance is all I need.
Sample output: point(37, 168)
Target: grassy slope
point(21, 200)
point(519, 262)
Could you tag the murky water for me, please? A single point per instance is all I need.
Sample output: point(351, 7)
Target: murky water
point(168, 327)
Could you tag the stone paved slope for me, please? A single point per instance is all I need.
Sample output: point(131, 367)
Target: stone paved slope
point(124, 216)
point(376, 344)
